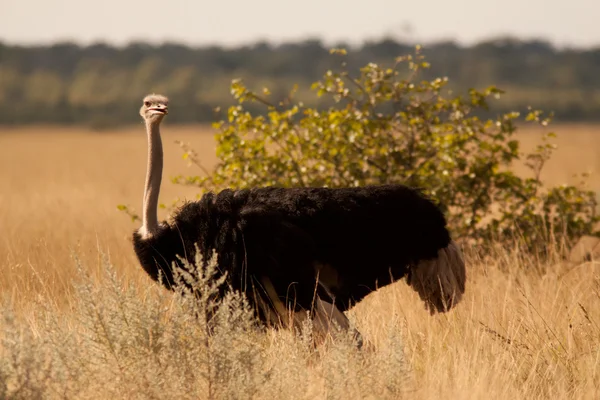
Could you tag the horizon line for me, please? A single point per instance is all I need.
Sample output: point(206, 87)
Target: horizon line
point(350, 44)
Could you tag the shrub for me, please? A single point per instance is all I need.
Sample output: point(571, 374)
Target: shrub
point(117, 341)
point(384, 125)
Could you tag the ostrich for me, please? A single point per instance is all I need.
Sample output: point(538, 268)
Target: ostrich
point(320, 250)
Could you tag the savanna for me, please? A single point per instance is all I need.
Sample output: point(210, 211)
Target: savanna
point(81, 320)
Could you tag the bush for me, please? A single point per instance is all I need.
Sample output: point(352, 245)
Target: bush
point(117, 341)
point(386, 126)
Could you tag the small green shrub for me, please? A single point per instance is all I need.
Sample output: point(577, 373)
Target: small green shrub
point(384, 125)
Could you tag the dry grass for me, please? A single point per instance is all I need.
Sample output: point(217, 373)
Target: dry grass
point(91, 334)
point(60, 189)
point(578, 152)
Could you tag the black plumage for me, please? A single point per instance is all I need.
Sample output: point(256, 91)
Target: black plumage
point(369, 236)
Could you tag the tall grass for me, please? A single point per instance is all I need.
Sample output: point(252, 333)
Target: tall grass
point(523, 331)
point(114, 342)
point(95, 326)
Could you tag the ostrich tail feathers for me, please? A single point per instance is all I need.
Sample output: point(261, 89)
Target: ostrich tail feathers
point(440, 282)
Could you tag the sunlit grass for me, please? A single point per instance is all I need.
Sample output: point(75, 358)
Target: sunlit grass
point(79, 318)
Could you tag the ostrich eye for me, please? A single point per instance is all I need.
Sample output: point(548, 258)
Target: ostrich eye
point(147, 103)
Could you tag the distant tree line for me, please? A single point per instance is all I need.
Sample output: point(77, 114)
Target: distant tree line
point(102, 85)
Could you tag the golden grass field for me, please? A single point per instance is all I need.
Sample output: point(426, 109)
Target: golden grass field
point(519, 333)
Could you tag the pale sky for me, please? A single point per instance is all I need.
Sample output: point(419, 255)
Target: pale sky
point(197, 22)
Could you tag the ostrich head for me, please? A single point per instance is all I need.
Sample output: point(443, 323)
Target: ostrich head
point(154, 108)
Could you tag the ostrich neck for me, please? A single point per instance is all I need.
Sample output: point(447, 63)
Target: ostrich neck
point(153, 179)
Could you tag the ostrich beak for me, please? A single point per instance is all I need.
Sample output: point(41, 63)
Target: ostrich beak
point(159, 110)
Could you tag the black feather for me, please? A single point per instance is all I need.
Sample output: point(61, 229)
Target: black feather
point(368, 235)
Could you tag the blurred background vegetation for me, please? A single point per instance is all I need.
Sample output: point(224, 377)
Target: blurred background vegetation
point(99, 85)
